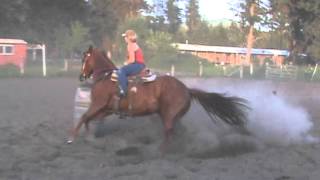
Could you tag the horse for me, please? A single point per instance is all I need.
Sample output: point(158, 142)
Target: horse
point(166, 96)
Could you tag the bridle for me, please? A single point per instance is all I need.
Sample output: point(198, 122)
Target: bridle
point(97, 73)
point(83, 76)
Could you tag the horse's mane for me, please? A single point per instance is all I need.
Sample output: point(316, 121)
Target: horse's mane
point(102, 54)
point(106, 66)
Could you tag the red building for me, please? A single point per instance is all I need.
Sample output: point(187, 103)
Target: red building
point(232, 55)
point(13, 51)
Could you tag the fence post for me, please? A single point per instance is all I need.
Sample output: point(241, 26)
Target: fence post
point(172, 70)
point(200, 68)
point(66, 65)
point(44, 65)
point(314, 72)
point(266, 71)
point(21, 68)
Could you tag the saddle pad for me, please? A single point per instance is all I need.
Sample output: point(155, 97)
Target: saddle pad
point(147, 78)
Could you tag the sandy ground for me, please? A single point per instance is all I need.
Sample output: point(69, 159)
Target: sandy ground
point(36, 113)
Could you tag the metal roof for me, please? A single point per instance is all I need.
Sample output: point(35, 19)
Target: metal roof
point(12, 41)
point(224, 49)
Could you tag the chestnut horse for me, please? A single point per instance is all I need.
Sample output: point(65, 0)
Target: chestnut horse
point(166, 96)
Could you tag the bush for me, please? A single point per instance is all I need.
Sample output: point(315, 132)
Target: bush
point(9, 70)
point(185, 64)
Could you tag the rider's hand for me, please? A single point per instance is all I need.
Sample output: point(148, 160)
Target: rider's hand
point(125, 63)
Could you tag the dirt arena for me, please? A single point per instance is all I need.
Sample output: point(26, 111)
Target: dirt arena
point(36, 113)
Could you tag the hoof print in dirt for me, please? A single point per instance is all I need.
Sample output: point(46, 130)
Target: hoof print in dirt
point(129, 151)
point(145, 140)
point(283, 178)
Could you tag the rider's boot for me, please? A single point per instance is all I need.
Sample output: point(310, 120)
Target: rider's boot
point(122, 95)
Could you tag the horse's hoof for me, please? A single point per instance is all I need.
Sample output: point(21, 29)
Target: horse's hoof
point(70, 141)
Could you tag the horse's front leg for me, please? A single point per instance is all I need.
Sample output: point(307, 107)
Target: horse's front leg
point(92, 112)
point(75, 130)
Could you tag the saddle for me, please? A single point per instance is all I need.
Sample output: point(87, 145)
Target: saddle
point(144, 76)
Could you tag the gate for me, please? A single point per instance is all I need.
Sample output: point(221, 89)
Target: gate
point(287, 72)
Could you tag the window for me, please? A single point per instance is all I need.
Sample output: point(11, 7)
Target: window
point(6, 49)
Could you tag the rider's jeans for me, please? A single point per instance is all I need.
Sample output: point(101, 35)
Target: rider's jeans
point(128, 70)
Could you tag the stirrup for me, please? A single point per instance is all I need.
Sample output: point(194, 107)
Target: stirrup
point(122, 94)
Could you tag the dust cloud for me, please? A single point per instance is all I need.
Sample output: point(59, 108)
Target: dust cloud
point(272, 119)
point(276, 121)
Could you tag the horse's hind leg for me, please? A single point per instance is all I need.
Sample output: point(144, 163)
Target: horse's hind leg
point(170, 115)
point(169, 123)
point(99, 116)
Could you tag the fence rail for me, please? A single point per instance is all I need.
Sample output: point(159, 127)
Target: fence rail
point(288, 72)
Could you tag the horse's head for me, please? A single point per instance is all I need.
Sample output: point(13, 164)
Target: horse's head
point(96, 63)
point(87, 64)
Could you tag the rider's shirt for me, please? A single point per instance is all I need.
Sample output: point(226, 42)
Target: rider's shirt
point(135, 54)
point(138, 56)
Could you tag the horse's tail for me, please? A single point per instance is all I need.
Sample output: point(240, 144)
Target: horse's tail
point(232, 110)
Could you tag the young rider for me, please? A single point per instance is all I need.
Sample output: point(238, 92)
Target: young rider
point(134, 62)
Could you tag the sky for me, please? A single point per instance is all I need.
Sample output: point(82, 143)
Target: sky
point(216, 9)
point(211, 10)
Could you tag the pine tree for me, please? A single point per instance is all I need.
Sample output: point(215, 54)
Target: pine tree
point(128, 8)
point(173, 13)
point(252, 14)
point(303, 24)
point(193, 17)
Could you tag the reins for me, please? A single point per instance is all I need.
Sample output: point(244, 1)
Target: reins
point(101, 73)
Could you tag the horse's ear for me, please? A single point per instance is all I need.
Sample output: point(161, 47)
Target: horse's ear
point(90, 49)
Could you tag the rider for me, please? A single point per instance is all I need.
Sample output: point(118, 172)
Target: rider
point(134, 62)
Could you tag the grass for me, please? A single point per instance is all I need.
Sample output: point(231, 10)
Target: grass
point(35, 70)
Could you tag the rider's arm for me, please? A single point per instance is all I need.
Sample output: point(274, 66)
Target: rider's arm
point(131, 54)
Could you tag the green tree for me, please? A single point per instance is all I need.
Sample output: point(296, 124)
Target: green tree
point(219, 36)
point(236, 35)
point(279, 34)
point(252, 13)
point(71, 40)
point(200, 35)
point(159, 42)
point(107, 15)
point(193, 18)
point(103, 21)
point(303, 20)
point(13, 16)
point(173, 13)
point(314, 48)
point(139, 25)
point(128, 8)
point(43, 16)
